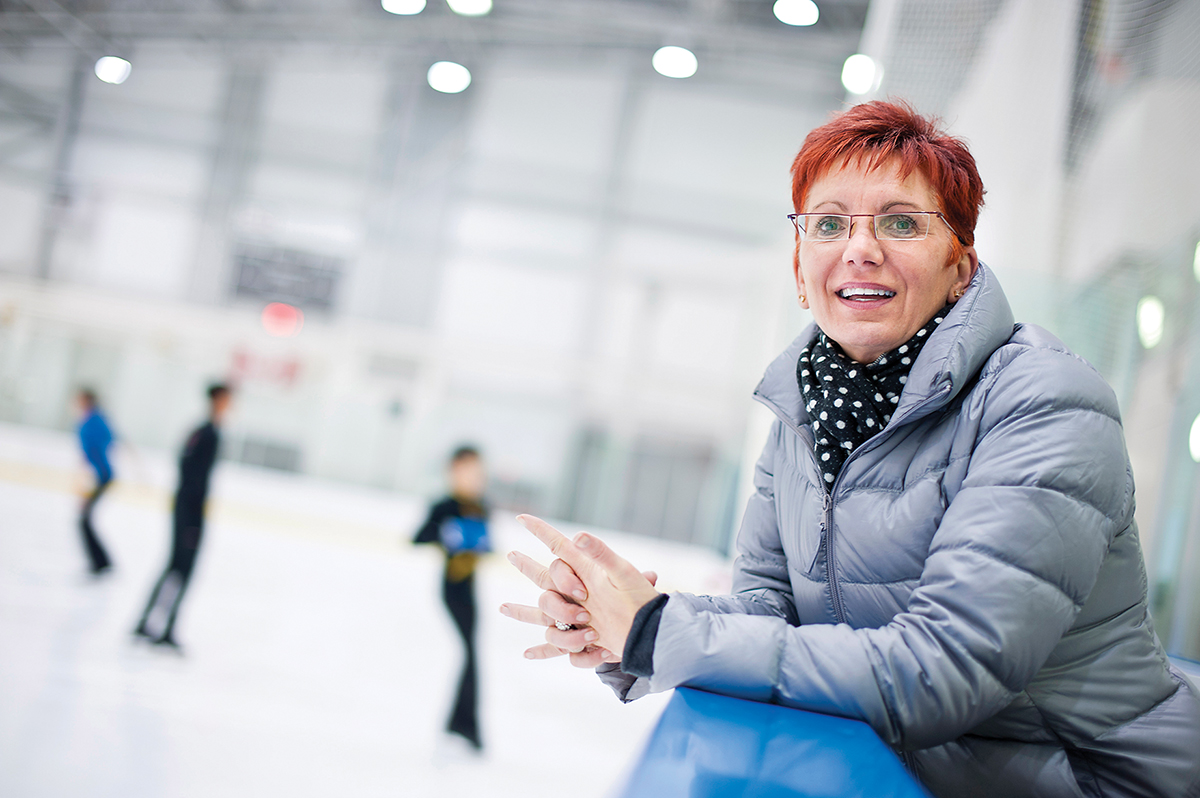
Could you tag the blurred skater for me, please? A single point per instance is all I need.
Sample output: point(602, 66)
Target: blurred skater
point(458, 523)
point(95, 437)
point(195, 467)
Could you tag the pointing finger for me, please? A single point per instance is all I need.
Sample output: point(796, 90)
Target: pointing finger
point(558, 543)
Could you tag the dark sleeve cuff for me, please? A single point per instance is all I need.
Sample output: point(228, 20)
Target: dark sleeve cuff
point(638, 657)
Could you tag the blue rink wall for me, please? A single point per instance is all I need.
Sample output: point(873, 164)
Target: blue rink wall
point(711, 746)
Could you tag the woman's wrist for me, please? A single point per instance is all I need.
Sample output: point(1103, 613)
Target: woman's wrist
point(638, 657)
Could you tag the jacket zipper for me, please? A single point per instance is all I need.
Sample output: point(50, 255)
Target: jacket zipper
point(831, 567)
point(827, 508)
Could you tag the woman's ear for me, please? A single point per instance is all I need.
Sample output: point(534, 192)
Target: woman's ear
point(801, 293)
point(964, 268)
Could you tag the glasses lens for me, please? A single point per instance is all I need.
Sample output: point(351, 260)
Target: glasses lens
point(826, 227)
point(902, 226)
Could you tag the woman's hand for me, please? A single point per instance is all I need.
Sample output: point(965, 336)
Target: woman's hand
point(605, 592)
point(559, 582)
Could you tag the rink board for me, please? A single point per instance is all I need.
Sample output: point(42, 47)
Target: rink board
point(711, 746)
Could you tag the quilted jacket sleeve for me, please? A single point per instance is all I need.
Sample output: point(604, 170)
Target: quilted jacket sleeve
point(1014, 558)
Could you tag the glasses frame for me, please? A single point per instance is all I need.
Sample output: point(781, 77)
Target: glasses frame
point(795, 220)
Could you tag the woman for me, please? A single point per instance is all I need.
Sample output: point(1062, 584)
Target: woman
point(941, 542)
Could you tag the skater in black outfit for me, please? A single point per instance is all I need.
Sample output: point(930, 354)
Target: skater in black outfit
point(195, 466)
point(95, 438)
point(458, 523)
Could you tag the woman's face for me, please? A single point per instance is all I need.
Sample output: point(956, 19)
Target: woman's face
point(918, 276)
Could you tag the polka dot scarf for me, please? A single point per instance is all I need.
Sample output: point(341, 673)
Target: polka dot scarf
point(849, 402)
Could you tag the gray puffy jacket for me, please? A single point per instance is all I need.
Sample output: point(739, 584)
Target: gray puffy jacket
point(972, 587)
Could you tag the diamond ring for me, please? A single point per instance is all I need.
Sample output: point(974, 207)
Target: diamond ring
point(563, 627)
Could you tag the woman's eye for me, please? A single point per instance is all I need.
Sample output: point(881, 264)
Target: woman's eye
point(829, 226)
point(899, 225)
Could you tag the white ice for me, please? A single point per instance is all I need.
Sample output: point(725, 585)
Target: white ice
point(318, 658)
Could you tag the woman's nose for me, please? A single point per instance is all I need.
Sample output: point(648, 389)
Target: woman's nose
point(863, 247)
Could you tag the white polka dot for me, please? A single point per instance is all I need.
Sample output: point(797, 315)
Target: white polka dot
point(841, 390)
point(858, 404)
point(841, 425)
point(903, 349)
point(804, 373)
point(824, 441)
point(848, 445)
point(878, 397)
point(938, 320)
point(829, 477)
point(828, 378)
point(824, 416)
point(903, 378)
point(905, 361)
point(852, 373)
point(920, 333)
point(895, 399)
point(870, 422)
point(837, 402)
point(816, 425)
point(825, 456)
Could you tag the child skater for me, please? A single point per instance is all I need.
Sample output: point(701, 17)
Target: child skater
point(458, 523)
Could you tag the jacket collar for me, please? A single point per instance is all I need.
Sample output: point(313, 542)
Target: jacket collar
point(976, 326)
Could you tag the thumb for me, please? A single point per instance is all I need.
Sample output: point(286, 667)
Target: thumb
point(620, 571)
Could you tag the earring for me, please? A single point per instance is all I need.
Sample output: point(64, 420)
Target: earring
point(803, 298)
point(958, 292)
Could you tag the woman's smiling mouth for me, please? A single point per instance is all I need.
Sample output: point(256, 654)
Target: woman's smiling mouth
point(865, 294)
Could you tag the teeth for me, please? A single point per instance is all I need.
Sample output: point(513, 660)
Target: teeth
point(847, 293)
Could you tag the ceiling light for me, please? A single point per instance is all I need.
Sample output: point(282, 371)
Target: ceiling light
point(403, 7)
point(470, 8)
point(111, 69)
point(1150, 317)
point(1196, 262)
point(1194, 440)
point(860, 74)
point(448, 77)
point(674, 62)
point(797, 12)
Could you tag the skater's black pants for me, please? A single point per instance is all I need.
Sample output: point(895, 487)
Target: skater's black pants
point(185, 545)
point(97, 557)
point(460, 601)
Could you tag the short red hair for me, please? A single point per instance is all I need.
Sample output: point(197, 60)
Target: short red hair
point(878, 133)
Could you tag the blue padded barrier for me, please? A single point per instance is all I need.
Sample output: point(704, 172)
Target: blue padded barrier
point(712, 746)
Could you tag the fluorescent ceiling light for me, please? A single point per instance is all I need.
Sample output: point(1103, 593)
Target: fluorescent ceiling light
point(111, 69)
point(403, 7)
point(448, 77)
point(1194, 440)
point(860, 74)
point(674, 62)
point(1151, 316)
point(797, 12)
point(470, 8)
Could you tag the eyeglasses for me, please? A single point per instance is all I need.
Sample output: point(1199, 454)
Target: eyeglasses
point(906, 226)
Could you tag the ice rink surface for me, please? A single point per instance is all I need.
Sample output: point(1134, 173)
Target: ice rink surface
point(318, 659)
